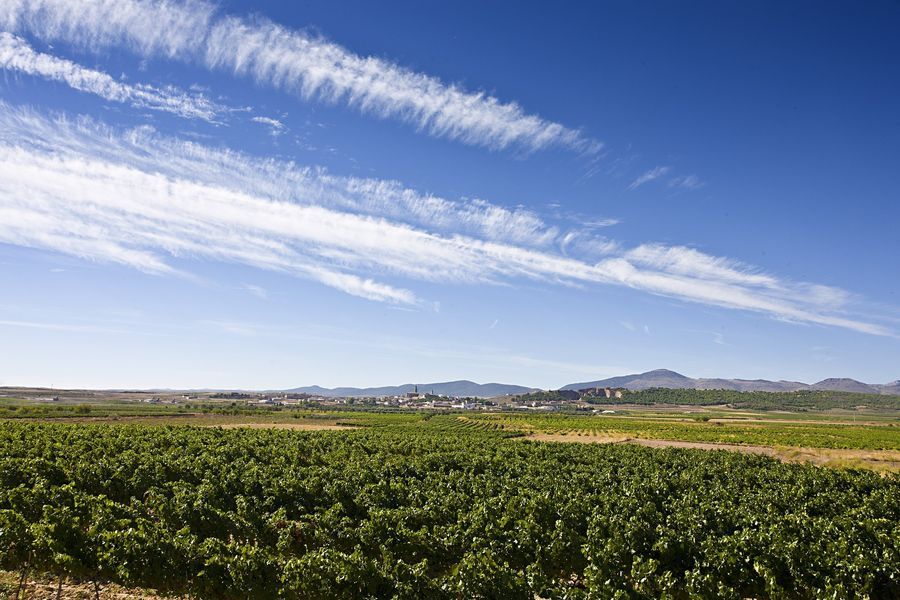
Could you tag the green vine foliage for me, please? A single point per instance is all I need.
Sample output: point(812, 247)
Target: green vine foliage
point(385, 513)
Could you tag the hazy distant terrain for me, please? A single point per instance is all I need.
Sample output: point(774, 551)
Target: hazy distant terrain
point(663, 378)
point(462, 388)
point(659, 378)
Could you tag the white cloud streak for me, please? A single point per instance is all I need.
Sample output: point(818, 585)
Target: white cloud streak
point(258, 291)
point(18, 56)
point(687, 261)
point(602, 223)
point(278, 180)
point(686, 182)
point(648, 176)
point(61, 327)
point(139, 199)
point(293, 61)
point(275, 126)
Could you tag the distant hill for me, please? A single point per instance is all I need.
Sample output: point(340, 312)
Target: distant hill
point(447, 388)
point(664, 378)
point(892, 388)
point(845, 385)
point(750, 385)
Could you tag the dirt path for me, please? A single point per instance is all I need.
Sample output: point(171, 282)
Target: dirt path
point(651, 443)
point(297, 426)
point(879, 460)
point(47, 590)
point(199, 420)
point(802, 422)
point(115, 419)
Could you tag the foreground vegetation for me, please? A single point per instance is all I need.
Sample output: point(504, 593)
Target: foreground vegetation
point(393, 511)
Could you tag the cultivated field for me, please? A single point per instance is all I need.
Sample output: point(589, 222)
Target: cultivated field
point(123, 500)
point(392, 511)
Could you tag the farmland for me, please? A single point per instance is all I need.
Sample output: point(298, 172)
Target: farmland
point(387, 510)
point(232, 500)
point(772, 433)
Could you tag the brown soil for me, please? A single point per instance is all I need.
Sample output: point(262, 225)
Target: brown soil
point(801, 422)
point(47, 590)
point(202, 420)
point(111, 418)
point(879, 460)
point(581, 438)
point(299, 426)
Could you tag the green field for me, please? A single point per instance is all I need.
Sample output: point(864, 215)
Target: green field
point(878, 430)
point(803, 400)
point(230, 499)
point(815, 435)
point(415, 507)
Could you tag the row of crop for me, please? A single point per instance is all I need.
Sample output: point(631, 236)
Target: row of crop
point(758, 400)
point(813, 435)
point(382, 512)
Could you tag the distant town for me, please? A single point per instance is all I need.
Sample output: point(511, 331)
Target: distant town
point(659, 387)
point(416, 400)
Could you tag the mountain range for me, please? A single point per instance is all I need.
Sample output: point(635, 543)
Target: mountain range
point(461, 388)
point(658, 378)
point(664, 378)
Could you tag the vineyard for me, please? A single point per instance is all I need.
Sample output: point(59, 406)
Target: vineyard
point(814, 435)
point(390, 511)
point(798, 400)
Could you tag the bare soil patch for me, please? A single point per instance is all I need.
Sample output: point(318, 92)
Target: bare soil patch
point(47, 589)
point(879, 460)
point(582, 438)
point(201, 420)
point(800, 422)
point(297, 426)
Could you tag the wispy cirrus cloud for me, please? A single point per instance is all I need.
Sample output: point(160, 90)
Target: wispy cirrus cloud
point(687, 261)
point(143, 148)
point(276, 127)
point(294, 61)
point(608, 222)
point(68, 327)
point(17, 55)
point(140, 199)
point(256, 290)
point(648, 176)
point(686, 182)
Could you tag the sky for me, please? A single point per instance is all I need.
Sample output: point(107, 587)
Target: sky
point(270, 195)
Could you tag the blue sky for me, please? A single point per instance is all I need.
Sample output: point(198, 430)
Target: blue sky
point(264, 196)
